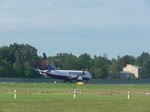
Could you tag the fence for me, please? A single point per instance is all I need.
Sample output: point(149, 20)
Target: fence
point(93, 81)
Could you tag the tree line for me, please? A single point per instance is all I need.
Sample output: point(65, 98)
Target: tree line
point(20, 60)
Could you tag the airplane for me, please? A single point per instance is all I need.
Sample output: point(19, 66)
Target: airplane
point(66, 75)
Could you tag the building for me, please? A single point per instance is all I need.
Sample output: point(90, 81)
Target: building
point(131, 72)
point(126, 75)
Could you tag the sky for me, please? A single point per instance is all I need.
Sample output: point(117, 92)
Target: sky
point(96, 27)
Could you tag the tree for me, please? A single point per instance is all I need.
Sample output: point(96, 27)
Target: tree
point(126, 60)
point(144, 61)
point(13, 60)
point(19, 60)
point(114, 69)
point(85, 61)
point(100, 65)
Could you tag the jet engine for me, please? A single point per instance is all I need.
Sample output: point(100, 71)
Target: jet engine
point(79, 79)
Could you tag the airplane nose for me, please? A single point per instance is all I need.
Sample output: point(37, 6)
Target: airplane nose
point(90, 76)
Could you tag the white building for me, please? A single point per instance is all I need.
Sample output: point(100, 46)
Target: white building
point(131, 71)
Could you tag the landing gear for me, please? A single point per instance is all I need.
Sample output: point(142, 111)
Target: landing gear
point(86, 81)
point(71, 81)
point(64, 81)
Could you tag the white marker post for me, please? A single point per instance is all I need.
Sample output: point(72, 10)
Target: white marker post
point(128, 95)
point(74, 94)
point(15, 96)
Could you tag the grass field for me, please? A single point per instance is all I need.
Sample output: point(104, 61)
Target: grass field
point(46, 97)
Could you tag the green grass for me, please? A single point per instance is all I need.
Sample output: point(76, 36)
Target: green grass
point(44, 97)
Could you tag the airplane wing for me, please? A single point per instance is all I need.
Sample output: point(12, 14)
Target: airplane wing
point(77, 77)
point(72, 76)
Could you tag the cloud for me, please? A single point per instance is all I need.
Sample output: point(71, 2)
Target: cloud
point(93, 23)
point(45, 14)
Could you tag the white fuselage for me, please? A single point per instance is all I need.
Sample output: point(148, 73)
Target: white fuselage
point(69, 74)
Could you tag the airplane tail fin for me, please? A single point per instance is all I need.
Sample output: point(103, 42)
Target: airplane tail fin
point(44, 56)
point(49, 65)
